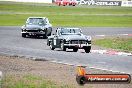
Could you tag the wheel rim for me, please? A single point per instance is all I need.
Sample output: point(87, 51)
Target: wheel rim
point(62, 46)
point(51, 47)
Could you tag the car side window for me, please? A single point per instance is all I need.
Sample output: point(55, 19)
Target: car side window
point(27, 22)
point(47, 21)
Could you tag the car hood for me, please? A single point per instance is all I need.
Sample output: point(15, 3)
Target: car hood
point(33, 27)
point(74, 37)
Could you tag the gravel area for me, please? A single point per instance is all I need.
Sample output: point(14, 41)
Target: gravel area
point(58, 73)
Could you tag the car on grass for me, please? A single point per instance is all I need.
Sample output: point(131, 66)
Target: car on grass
point(36, 26)
point(71, 38)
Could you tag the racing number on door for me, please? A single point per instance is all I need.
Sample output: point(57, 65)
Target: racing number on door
point(54, 41)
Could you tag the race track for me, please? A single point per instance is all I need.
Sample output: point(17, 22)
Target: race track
point(12, 43)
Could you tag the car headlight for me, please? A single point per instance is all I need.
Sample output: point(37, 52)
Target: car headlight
point(25, 29)
point(89, 38)
point(67, 40)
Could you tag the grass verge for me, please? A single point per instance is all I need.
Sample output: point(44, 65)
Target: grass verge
point(14, 14)
point(29, 81)
point(123, 44)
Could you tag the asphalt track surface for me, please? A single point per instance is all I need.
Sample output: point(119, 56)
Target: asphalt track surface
point(12, 43)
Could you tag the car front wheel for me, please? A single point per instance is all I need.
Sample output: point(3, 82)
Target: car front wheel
point(63, 47)
point(51, 46)
point(87, 50)
point(23, 35)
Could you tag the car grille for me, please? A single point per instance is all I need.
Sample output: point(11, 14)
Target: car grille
point(78, 42)
point(32, 30)
point(89, 42)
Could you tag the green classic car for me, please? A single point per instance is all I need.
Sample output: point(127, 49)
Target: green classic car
point(71, 38)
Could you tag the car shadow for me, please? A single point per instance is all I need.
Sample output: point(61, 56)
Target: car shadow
point(72, 51)
point(69, 51)
point(34, 37)
point(64, 51)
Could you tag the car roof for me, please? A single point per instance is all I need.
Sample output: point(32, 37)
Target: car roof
point(69, 28)
point(36, 17)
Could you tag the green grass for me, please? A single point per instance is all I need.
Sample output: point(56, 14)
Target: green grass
point(124, 44)
point(16, 13)
point(29, 81)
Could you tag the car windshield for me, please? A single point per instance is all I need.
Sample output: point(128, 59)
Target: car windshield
point(70, 31)
point(36, 21)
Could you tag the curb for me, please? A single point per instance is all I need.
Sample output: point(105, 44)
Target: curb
point(111, 52)
point(103, 35)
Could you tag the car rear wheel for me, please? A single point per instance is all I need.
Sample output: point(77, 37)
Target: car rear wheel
point(75, 49)
point(23, 35)
point(51, 46)
point(63, 47)
point(87, 50)
point(45, 35)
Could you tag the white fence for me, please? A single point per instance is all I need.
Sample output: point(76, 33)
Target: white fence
point(36, 1)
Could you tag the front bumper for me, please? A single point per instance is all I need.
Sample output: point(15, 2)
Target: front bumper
point(34, 33)
point(77, 45)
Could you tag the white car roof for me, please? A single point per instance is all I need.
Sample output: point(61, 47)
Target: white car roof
point(36, 17)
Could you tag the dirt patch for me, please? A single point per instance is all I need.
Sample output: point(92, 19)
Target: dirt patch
point(58, 73)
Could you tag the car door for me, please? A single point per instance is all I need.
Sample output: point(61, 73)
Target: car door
point(56, 42)
point(57, 39)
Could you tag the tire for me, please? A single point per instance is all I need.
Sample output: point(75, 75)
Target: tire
point(75, 49)
point(63, 48)
point(51, 46)
point(24, 35)
point(45, 35)
point(81, 80)
point(87, 50)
